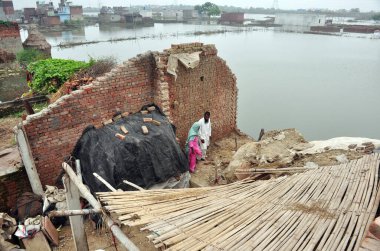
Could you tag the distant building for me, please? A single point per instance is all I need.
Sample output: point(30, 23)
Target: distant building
point(146, 13)
point(157, 15)
point(2, 14)
point(30, 15)
point(172, 15)
point(133, 18)
point(46, 14)
point(76, 13)
point(51, 20)
point(43, 8)
point(299, 22)
point(120, 10)
point(6, 10)
point(8, 7)
point(232, 18)
point(109, 18)
point(64, 13)
point(190, 14)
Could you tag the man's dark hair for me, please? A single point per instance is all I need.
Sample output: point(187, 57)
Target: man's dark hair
point(207, 113)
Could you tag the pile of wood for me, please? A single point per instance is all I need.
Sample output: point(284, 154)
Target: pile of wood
point(327, 208)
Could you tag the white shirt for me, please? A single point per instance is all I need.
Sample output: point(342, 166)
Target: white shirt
point(205, 132)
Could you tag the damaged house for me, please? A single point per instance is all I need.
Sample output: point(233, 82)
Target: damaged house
point(183, 92)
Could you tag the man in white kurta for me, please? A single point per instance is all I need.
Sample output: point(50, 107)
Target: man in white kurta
point(205, 133)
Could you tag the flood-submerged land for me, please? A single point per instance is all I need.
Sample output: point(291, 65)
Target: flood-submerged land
point(325, 86)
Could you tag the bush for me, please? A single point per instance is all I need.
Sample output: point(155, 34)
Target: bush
point(50, 74)
point(97, 68)
point(27, 56)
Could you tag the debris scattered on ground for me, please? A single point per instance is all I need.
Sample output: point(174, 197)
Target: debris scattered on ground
point(288, 148)
point(219, 155)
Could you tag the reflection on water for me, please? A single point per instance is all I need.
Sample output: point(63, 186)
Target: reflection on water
point(325, 86)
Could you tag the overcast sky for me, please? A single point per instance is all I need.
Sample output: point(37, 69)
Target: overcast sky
point(364, 5)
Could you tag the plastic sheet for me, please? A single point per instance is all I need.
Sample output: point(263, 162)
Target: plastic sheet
point(142, 159)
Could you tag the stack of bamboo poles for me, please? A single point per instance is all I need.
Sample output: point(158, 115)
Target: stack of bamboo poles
point(328, 208)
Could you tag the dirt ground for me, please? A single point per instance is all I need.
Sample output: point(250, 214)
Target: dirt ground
point(327, 158)
point(219, 156)
point(7, 138)
point(102, 238)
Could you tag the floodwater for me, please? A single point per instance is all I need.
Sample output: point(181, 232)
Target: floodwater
point(325, 86)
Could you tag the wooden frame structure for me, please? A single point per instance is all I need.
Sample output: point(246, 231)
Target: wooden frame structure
point(74, 186)
point(327, 208)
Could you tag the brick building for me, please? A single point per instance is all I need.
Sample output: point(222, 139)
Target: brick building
point(10, 39)
point(30, 14)
point(76, 13)
point(232, 18)
point(51, 20)
point(7, 6)
point(210, 86)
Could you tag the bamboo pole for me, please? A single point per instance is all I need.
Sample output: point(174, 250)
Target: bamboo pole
point(105, 182)
point(133, 185)
point(73, 212)
point(96, 204)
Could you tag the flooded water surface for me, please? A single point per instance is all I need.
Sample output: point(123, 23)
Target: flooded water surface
point(325, 86)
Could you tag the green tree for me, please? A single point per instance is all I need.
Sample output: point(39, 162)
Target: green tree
point(208, 8)
point(376, 17)
point(355, 10)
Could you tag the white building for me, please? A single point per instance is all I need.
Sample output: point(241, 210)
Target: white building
point(146, 13)
point(299, 22)
point(172, 15)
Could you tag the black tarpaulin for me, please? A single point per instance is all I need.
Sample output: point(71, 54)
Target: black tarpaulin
point(142, 159)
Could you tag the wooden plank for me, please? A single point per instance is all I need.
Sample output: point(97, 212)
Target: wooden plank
point(76, 222)
point(27, 159)
point(38, 242)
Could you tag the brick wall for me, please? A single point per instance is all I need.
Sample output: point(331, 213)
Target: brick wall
point(53, 133)
point(10, 39)
point(11, 187)
point(210, 86)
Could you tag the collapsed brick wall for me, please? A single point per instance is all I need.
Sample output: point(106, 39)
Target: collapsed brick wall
point(52, 134)
point(10, 39)
point(210, 86)
point(11, 187)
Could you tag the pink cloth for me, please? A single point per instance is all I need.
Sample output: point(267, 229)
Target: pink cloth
point(194, 150)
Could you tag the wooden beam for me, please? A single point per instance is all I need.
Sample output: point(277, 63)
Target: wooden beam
point(105, 182)
point(133, 185)
point(27, 159)
point(73, 212)
point(76, 222)
point(78, 169)
point(115, 229)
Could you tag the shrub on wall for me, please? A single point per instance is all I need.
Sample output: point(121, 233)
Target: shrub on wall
point(50, 74)
point(27, 56)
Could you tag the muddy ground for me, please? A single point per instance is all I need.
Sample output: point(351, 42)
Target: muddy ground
point(218, 158)
point(7, 138)
point(102, 238)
